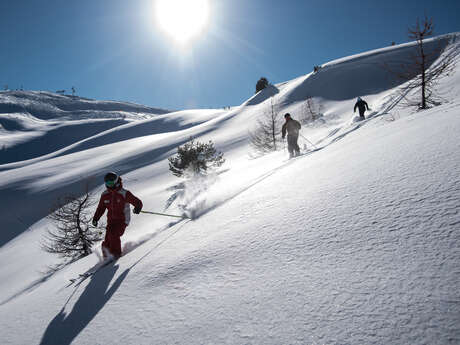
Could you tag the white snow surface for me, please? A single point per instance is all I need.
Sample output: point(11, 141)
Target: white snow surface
point(357, 242)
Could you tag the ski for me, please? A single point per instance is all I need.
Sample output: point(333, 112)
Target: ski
point(304, 153)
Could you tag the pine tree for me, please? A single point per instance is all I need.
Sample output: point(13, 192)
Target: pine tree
point(195, 158)
point(262, 83)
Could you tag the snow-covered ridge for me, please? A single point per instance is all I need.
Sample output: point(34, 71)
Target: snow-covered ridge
point(363, 74)
point(36, 123)
point(47, 105)
point(434, 42)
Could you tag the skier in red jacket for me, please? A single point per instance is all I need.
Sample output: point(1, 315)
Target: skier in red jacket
point(116, 200)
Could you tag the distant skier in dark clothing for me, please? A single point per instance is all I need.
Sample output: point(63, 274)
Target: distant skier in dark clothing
point(292, 127)
point(362, 106)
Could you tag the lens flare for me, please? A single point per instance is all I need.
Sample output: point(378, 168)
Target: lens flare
point(182, 19)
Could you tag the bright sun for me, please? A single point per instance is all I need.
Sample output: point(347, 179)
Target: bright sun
point(182, 19)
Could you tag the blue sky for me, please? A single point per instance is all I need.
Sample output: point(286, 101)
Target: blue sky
point(112, 49)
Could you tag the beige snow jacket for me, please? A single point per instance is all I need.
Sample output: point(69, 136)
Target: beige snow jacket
point(292, 127)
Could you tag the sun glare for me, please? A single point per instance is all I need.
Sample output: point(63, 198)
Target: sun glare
point(182, 19)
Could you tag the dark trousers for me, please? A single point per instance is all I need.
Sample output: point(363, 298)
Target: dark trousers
point(293, 147)
point(361, 112)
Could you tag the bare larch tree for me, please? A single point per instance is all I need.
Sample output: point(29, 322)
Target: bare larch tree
point(425, 68)
point(73, 236)
point(311, 110)
point(266, 135)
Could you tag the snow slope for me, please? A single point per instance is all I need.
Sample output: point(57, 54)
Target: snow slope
point(357, 242)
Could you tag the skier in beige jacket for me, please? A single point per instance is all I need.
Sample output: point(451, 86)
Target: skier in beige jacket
point(292, 127)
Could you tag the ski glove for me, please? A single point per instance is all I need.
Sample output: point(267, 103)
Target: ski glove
point(94, 222)
point(137, 210)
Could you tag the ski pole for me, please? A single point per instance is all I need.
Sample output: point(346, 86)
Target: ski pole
point(309, 141)
point(165, 214)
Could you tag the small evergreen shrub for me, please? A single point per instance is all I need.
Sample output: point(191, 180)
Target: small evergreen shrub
point(195, 158)
point(262, 83)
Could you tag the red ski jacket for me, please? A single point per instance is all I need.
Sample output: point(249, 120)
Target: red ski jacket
point(117, 201)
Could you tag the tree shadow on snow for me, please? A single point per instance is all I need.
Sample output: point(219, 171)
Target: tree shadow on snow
point(63, 329)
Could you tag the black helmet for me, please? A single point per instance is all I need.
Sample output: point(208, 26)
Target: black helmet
point(111, 180)
point(287, 115)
